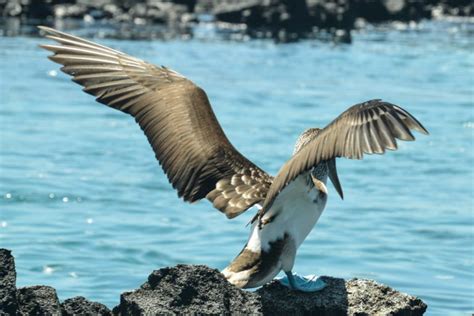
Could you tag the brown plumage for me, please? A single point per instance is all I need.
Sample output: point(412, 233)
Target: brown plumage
point(370, 127)
point(188, 141)
point(174, 114)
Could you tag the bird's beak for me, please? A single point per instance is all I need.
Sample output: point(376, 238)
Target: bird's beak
point(319, 184)
point(333, 176)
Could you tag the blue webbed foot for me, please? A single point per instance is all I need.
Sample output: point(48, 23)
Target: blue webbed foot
point(309, 283)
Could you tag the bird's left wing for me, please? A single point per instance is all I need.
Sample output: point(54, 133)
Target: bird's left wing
point(175, 115)
point(370, 127)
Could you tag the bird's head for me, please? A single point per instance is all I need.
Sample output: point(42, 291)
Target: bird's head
point(324, 168)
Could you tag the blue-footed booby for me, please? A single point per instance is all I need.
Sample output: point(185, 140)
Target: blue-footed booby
point(200, 162)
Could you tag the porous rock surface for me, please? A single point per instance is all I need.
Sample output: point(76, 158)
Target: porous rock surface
point(38, 300)
point(340, 297)
point(188, 289)
point(81, 306)
point(200, 290)
point(370, 297)
point(8, 302)
point(282, 20)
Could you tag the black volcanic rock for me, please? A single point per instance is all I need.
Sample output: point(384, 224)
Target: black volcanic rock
point(391, 10)
point(333, 300)
point(200, 290)
point(281, 20)
point(340, 297)
point(187, 289)
point(370, 297)
point(8, 301)
point(331, 14)
point(38, 300)
point(81, 306)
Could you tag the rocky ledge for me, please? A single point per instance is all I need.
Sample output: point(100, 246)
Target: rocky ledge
point(196, 289)
point(281, 20)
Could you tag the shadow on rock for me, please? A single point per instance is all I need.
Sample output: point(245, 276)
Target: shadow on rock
point(332, 300)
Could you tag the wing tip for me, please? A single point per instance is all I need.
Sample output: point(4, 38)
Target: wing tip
point(422, 130)
point(417, 125)
point(47, 30)
point(43, 27)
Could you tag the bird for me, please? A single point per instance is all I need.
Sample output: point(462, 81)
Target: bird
point(201, 163)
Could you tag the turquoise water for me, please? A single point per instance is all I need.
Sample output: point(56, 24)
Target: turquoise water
point(85, 207)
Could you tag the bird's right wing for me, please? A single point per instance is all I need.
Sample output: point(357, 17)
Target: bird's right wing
point(176, 117)
point(370, 127)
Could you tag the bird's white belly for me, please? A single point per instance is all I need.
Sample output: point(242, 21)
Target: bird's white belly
point(306, 213)
point(296, 210)
point(284, 228)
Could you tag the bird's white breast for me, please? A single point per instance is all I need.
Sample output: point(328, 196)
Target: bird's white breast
point(296, 210)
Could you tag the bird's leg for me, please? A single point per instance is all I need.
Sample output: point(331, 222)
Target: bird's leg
point(291, 280)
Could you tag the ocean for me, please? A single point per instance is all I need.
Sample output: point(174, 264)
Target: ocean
point(85, 207)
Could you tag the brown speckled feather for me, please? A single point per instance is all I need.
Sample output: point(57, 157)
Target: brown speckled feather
point(369, 127)
point(176, 117)
point(234, 195)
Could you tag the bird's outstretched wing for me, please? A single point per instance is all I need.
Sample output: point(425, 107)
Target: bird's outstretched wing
point(176, 117)
point(370, 127)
